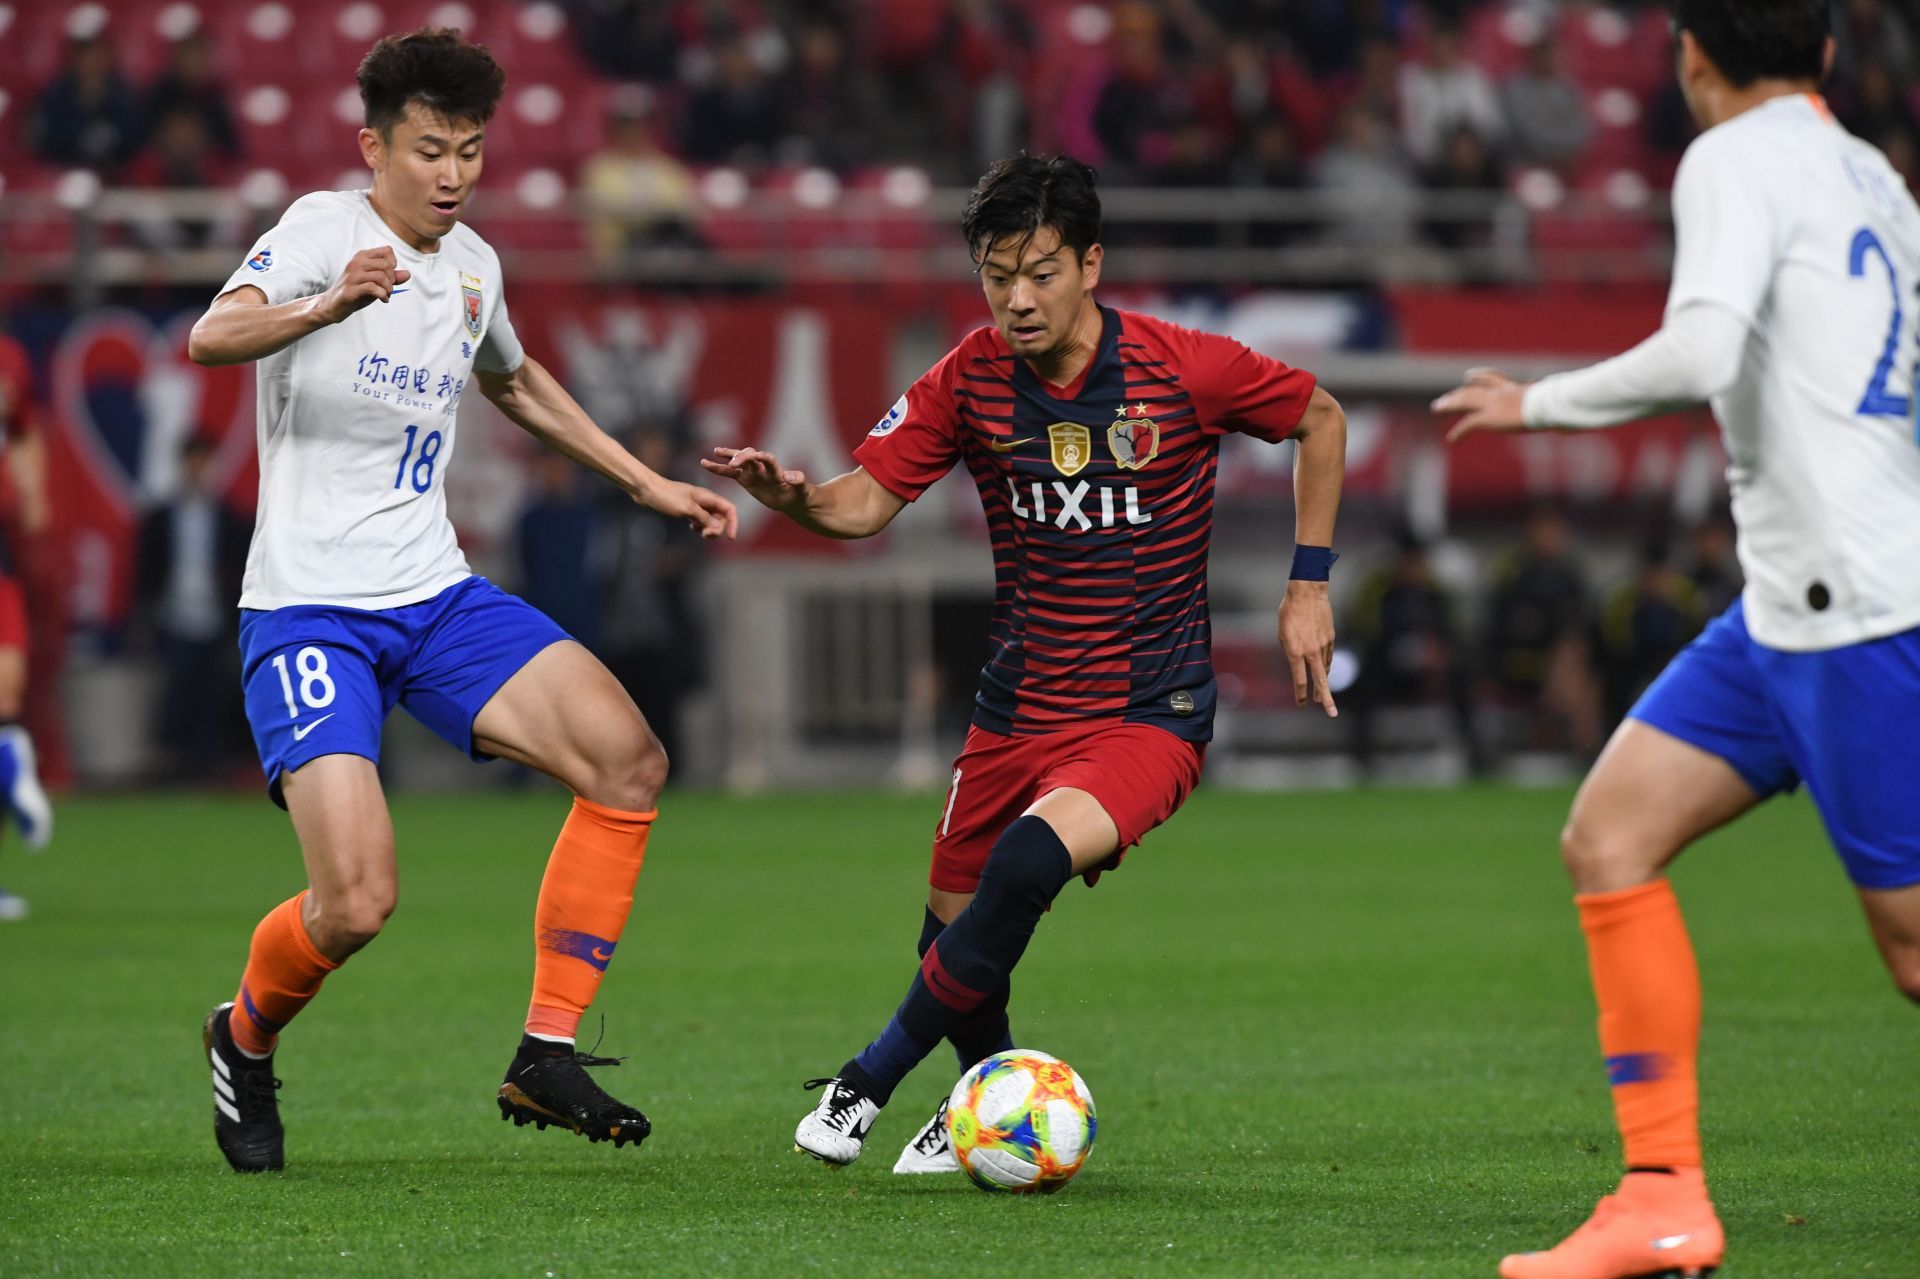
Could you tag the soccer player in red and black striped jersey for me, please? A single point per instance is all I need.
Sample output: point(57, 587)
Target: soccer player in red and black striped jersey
point(21, 796)
point(1093, 435)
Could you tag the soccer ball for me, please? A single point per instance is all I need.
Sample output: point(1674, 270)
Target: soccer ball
point(1021, 1121)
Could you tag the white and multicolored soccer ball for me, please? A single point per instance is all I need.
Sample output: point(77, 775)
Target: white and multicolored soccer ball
point(1021, 1121)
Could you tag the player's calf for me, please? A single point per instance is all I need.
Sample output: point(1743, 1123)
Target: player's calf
point(547, 1084)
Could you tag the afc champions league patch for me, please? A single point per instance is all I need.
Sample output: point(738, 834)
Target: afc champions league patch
point(1135, 440)
point(470, 302)
point(895, 416)
point(1072, 446)
point(262, 260)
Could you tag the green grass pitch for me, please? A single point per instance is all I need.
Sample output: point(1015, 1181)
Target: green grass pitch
point(1328, 1035)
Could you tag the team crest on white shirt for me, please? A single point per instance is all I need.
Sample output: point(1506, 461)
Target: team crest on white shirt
point(470, 302)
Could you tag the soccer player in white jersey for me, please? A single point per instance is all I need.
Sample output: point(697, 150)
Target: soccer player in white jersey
point(368, 312)
point(1792, 312)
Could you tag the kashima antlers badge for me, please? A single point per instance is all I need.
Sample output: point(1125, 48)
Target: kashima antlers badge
point(1135, 440)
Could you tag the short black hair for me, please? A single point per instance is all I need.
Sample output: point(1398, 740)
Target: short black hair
point(434, 66)
point(1752, 40)
point(1019, 195)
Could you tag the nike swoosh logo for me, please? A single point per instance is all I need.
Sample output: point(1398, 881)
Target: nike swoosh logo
point(1010, 445)
point(602, 957)
point(300, 733)
point(1669, 1241)
point(401, 289)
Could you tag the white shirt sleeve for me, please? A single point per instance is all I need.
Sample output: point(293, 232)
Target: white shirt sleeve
point(500, 350)
point(1695, 356)
point(287, 262)
point(1726, 232)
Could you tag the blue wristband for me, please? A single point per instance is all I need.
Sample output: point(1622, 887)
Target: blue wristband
point(1312, 563)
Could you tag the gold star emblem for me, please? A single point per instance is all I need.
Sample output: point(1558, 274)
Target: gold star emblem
point(1140, 409)
point(1121, 411)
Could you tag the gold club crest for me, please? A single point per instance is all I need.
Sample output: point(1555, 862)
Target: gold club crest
point(1135, 440)
point(1072, 447)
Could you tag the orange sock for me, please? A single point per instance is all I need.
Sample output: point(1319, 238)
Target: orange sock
point(284, 971)
point(585, 898)
point(1648, 989)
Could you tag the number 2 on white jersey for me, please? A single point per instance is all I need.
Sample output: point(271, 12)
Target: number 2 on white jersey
point(1878, 400)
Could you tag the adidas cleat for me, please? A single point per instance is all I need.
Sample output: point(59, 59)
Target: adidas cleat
point(835, 1130)
point(548, 1084)
point(246, 1111)
point(1656, 1226)
point(932, 1150)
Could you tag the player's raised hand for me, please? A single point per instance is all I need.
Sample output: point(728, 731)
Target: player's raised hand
point(706, 512)
point(1306, 636)
point(761, 475)
point(1489, 400)
point(371, 276)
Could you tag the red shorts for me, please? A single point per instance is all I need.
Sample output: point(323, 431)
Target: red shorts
point(1138, 773)
point(13, 613)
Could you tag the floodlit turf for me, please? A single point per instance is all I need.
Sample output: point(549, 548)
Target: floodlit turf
point(1329, 1035)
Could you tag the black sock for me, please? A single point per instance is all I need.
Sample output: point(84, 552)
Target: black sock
point(984, 1031)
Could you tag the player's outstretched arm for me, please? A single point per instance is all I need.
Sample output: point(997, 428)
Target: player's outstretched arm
point(847, 506)
point(240, 326)
point(1306, 614)
point(535, 401)
point(1693, 357)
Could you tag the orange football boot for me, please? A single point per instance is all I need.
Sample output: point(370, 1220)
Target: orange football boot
point(1656, 1226)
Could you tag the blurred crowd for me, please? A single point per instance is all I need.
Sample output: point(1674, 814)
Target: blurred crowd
point(1372, 104)
point(1553, 660)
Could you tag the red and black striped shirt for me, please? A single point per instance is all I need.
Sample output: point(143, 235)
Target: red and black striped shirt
point(1099, 500)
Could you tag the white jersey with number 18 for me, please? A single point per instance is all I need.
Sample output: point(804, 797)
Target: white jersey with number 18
point(1808, 236)
point(356, 420)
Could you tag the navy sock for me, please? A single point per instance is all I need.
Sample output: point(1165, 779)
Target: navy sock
point(984, 1031)
point(974, 955)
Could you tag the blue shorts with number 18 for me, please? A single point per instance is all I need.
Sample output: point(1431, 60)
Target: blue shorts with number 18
point(1842, 720)
point(320, 680)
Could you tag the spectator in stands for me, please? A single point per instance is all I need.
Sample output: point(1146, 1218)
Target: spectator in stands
point(87, 116)
point(1404, 628)
point(639, 195)
point(1137, 102)
point(649, 633)
point(825, 107)
point(192, 552)
point(1271, 162)
point(1868, 31)
point(1467, 169)
point(555, 535)
point(1443, 93)
point(188, 85)
point(1371, 196)
point(1537, 644)
point(1547, 116)
point(1647, 623)
point(1714, 570)
point(1875, 105)
point(181, 157)
point(734, 115)
point(1375, 83)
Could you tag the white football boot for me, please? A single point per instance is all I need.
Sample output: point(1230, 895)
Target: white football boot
point(932, 1150)
point(834, 1131)
point(32, 813)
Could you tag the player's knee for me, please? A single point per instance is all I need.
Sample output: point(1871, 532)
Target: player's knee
point(1905, 969)
point(1602, 856)
point(1027, 866)
point(350, 919)
point(633, 779)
